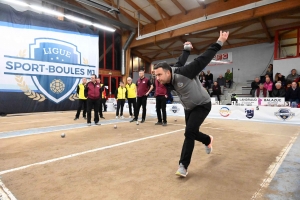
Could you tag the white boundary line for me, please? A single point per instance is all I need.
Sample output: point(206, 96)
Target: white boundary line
point(273, 168)
point(85, 152)
point(5, 191)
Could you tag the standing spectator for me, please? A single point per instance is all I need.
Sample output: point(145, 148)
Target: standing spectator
point(209, 78)
point(98, 80)
point(93, 94)
point(293, 94)
point(104, 98)
point(120, 95)
point(152, 81)
point(261, 91)
point(216, 90)
point(161, 103)
point(201, 75)
point(144, 87)
point(291, 77)
point(131, 97)
point(81, 99)
point(254, 86)
point(278, 90)
point(221, 82)
point(269, 72)
point(229, 77)
point(269, 86)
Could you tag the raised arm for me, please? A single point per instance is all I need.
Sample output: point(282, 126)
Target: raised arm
point(184, 56)
point(198, 64)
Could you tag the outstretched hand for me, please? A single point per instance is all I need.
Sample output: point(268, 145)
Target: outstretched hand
point(223, 36)
point(188, 43)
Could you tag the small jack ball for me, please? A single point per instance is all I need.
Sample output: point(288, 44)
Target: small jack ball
point(137, 129)
point(62, 135)
point(115, 126)
point(137, 123)
point(175, 120)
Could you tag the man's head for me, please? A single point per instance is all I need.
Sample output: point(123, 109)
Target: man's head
point(278, 85)
point(98, 80)
point(83, 80)
point(141, 73)
point(121, 84)
point(221, 76)
point(256, 79)
point(163, 72)
point(228, 70)
point(294, 85)
point(261, 86)
point(129, 80)
point(208, 71)
point(93, 78)
point(293, 72)
point(268, 79)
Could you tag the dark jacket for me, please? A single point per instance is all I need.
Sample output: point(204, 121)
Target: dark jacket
point(92, 91)
point(254, 85)
point(278, 93)
point(292, 94)
point(185, 80)
point(209, 77)
point(221, 81)
point(216, 89)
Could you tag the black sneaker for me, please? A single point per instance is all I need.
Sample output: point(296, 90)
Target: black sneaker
point(164, 124)
point(133, 120)
point(102, 117)
point(84, 118)
point(158, 123)
point(142, 121)
point(76, 118)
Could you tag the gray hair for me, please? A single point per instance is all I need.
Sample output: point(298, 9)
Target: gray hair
point(278, 83)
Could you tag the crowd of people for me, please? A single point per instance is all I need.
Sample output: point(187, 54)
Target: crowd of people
point(280, 86)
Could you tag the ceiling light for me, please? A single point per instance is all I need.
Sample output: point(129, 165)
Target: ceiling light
point(104, 27)
point(46, 10)
point(20, 3)
point(76, 19)
point(99, 5)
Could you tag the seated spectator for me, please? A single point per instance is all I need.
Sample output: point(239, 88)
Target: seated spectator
point(221, 82)
point(216, 90)
point(209, 78)
point(201, 75)
point(254, 86)
point(228, 77)
point(278, 91)
point(281, 78)
point(261, 91)
point(204, 82)
point(269, 72)
point(269, 86)
point(291, 77)
point(293, 94)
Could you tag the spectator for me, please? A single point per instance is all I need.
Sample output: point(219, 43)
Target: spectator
point(201, 75)
point(293, 94)
point(254, 86)
point(269, 72)
point(291, 77)
point(216, 90)
point(228, 77)
point(261, 91)
point(269, 86)
point(279, 77)
point(121, 96)
point(204, 82)
point(221, 82)
point(209, 78)
point(278, 91)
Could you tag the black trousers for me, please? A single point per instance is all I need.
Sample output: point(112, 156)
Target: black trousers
point(141, 101)
point(193, 119)
point(103, 102)
point(132, 102)
point(161, 104)
point(81, 103)
point(120, 105)
point(100, 108)
point(218, 95)
point(92, 103)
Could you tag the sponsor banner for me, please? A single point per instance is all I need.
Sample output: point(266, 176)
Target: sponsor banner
point(285, 115)
point(221, 59)
point(246, 101)
point(272, 101)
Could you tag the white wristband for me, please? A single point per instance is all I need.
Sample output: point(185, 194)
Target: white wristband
point(220, 43)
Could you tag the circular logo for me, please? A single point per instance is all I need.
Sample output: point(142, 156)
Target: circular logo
point(174, 109)
point(224, 112)
point(284, 114)
point(57, 86)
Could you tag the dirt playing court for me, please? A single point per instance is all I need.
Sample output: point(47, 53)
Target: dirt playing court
point(135, 162)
